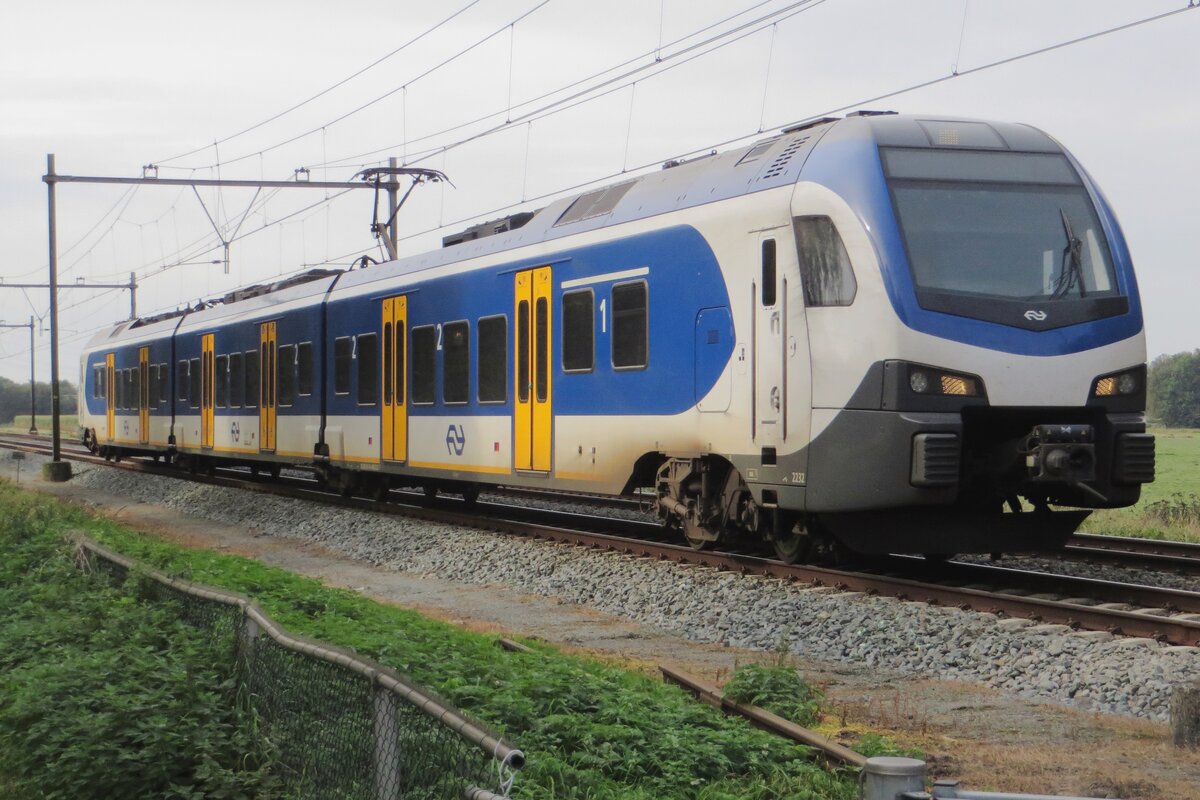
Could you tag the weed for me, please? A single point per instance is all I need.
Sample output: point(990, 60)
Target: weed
point(779, 689)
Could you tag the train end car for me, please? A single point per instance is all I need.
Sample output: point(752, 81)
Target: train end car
point(888, 333)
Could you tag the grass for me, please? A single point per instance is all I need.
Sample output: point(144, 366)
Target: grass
point(20, 424)
point(103, 695)
point(1170, 507)
point(589, 729)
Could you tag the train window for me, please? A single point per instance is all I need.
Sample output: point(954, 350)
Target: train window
point(388, 363)
point(368, 369)
point(456, 362)
point(523, 351)
point(768, 272)
point(287, 374)
point(194, 383)
point(136, 374)
point(541, 369)
point(629, 325)
point(421, 351)
point(237, 380)
point(152, 385)
point(492, 334)
point(119, 393)
point(183, 380)
point(304, 368)
point(343, 352)
point(164, 382)
point(824, 264)
point(221, 397)
point(251, 399)
point(578, 349)
point(96, 383)
point(131, 389)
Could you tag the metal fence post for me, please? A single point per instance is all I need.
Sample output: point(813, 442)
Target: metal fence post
point(387, 744)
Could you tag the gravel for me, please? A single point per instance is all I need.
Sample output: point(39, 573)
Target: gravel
point(1091, 670)
point(1099, 571)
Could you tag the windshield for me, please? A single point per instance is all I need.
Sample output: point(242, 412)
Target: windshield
point(998, 226)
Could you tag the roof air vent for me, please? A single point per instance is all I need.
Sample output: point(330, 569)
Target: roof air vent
point(594, 204)
point(781, 161)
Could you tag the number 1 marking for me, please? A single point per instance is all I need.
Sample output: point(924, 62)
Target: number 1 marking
point(603, 316)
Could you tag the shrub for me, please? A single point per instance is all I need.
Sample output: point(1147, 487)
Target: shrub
point(778, 689)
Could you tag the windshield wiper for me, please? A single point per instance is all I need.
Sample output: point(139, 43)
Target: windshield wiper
point(1071, 274)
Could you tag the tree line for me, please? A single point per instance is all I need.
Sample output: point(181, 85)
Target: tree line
point(1173, 387)
point(14, 398)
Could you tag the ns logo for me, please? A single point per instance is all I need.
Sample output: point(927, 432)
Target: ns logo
point(1033, 315)
point(456, 440)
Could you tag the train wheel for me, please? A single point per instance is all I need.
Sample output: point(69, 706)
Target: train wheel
point(430, 492)
point(470, 494)
point(792, 548)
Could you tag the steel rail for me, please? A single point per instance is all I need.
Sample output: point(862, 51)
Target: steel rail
point(536, 523)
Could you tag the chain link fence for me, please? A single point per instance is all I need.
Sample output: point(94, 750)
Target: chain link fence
point(340, 726)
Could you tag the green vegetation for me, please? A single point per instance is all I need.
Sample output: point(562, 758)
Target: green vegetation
point(1173, 391)
point(779, 689)
point(14, 399)
point(1170, 507)
point(103, 695)
point(589, 730)
point(68, 423)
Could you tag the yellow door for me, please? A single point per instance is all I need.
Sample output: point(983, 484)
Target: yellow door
point(206, 391)
point(268, 348)
point(533, 419)
point(144, 395)
point(395, 405)
point(110, 407)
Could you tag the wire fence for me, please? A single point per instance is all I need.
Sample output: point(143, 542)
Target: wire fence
point(340, 726)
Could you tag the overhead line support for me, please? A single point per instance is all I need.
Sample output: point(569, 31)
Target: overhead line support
point(370, 179)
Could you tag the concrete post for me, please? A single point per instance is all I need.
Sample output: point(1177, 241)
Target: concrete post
point(1185, 715)
point(889, 777)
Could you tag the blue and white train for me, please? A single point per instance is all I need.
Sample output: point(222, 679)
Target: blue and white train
point(893, 333)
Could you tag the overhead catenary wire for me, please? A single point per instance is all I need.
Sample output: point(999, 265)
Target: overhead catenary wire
point(327, 90)
point(654, 54)
point(794, 122)
point(882, 96)
point(364, 106)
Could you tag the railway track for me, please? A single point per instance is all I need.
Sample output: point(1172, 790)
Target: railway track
point(1168, 615)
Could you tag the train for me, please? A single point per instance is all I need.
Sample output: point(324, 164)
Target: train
point(881, 333)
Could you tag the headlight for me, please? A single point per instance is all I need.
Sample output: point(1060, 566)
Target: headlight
point(929, 380)
point(1118, 384)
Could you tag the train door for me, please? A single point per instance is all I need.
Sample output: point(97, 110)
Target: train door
point(144, 395)
point(769, 333)
point(395, 406)
point(110, 362)
point(268, 348)
point(533, 419)
point(207, 420)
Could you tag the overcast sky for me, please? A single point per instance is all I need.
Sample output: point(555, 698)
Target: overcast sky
point(109, 87)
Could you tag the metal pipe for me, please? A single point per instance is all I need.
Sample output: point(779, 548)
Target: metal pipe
point(55, 431)
point(762, 718)
point(32, 384)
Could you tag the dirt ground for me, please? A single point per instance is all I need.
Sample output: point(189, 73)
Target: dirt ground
point(987, 740)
